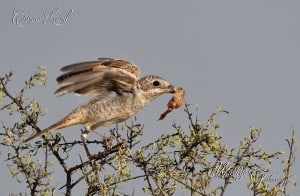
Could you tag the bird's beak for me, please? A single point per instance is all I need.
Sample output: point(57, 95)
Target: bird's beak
point(171, 89)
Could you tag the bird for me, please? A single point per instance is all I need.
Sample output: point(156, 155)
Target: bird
point(116, 90)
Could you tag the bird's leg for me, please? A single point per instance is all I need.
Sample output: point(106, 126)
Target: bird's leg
point(84, 134)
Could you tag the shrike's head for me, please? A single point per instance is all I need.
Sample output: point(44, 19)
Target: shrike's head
point(153, 86)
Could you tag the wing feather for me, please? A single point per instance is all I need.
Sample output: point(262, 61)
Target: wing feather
point(96, 77)
point(80, 65)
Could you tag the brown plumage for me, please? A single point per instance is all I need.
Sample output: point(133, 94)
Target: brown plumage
point(118, 94)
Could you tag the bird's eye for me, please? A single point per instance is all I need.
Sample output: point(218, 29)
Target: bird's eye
point(156, 83)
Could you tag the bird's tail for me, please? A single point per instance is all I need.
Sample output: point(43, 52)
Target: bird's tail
point(65, 122)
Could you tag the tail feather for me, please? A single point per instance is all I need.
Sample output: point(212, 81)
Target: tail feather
point(65, 122)
point(38, 134)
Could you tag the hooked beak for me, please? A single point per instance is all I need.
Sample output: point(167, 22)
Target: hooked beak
point(171, 89)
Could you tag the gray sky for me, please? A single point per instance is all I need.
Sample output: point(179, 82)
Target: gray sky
point(242, 55)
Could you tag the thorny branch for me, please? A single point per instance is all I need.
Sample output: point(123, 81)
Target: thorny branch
point(184, 159)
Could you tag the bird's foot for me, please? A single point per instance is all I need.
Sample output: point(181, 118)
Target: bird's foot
point(84, 135)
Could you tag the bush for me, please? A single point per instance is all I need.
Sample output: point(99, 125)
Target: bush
point(191, 160)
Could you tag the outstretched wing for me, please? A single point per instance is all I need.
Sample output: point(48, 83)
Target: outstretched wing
point(95, 77)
